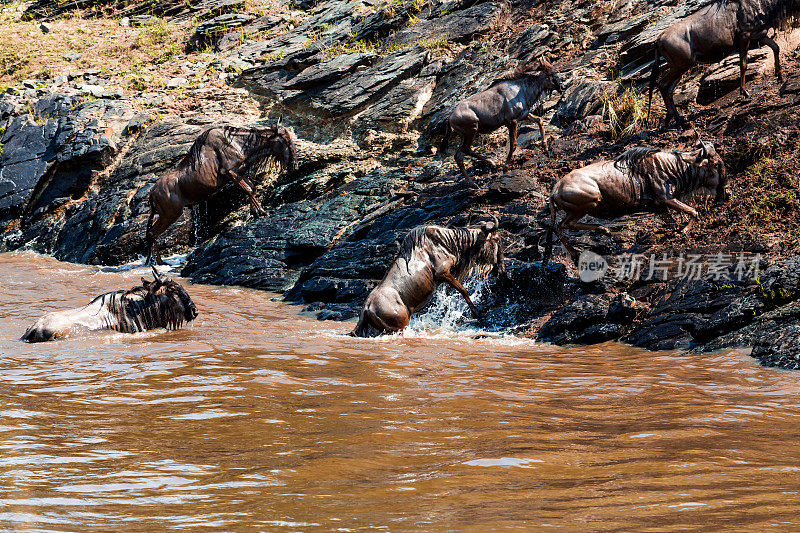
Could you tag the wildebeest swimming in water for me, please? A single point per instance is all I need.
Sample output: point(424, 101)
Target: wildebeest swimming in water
point(639, 180)
point(429, 256)
point(508, 101)
point(161, 303)
point(712, 33)
point(218, 155)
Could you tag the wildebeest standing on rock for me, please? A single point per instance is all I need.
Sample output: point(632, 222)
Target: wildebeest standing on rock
point(161, 303)
point(218, 155)
point(712, 33)
point(639, 180)
point(429, 256)
point(508, 101)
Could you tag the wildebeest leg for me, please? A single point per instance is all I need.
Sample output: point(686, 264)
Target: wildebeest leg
point(666, 87)
point(453, 282)
point(562, 236)
point(676, 204)
point(776, 51)
point(466, 146)
point(574, 224)
point(148, 236)
point(512, 140)
point(543, 135)
point(743, 48)
point(459, 155)
point(248, 188)
point(164, 221)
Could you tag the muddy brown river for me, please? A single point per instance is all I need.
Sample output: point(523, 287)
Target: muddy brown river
point(255, 418)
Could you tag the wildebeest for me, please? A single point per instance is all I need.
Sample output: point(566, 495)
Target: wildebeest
point(506, 102)
point(161, 303)
point(429, 256)
point(218, 155)
point(639, 180)
point(712, 33)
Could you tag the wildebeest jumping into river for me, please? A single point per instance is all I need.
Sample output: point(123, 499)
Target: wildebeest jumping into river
point(218, 155)
point(508, 101)
point(712, 33)
point(639, 180)
point(161, 303)
point(429, 256)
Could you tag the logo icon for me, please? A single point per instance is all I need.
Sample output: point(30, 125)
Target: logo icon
point(591, 266)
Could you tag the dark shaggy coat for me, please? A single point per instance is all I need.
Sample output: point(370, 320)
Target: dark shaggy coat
point(162, 303)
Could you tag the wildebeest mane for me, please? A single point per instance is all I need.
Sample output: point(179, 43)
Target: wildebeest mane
point(461, 242)
point(520, 71)
point(763, 14)
point(632, 160)
point(139, 309)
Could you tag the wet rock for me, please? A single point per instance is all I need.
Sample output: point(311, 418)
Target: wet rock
point(526, 292)
point(780, 349)
point(269, 253)
point(590, 319)
point(45, 161)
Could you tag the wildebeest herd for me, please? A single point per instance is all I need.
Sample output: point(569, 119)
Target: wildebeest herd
point(641, 179)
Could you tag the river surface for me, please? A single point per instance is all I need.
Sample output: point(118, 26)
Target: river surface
point(255, 418)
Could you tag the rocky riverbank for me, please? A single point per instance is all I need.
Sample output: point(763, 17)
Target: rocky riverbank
point(366, 86)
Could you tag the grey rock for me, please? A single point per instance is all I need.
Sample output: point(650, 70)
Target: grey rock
point(459, 27)
point(143, 20)
point(353, 92)
point(582, 99)
point(329, 71)
point(209, 33)
point(174, 83)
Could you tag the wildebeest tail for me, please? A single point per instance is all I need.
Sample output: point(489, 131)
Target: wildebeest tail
point(446, 138)
point(653, 80)
point(548, 247)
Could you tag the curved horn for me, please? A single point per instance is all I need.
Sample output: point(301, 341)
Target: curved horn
point(156, 275)
point(489, 227)
point(706, 149)
point(280, 122)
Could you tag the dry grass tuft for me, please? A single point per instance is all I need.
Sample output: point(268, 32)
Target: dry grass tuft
point(626, 111)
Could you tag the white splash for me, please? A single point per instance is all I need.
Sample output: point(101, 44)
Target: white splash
point(448, 310)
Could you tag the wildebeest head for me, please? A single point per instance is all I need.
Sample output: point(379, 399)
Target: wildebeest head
point(490, 251)
point(278, 141)
point(544, 72)
point(715, 182)
point(179, 301)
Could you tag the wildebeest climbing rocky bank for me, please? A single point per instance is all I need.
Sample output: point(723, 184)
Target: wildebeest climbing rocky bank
point(367, 87)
